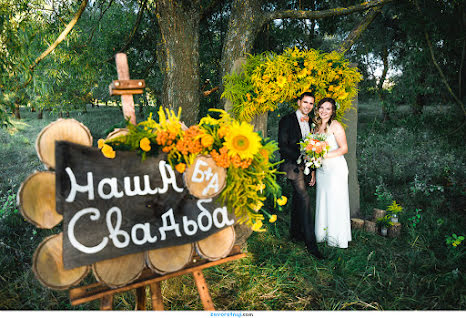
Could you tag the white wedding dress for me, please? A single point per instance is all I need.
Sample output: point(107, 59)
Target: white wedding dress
point(332, 219)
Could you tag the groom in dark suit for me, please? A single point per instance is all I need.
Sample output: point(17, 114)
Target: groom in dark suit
point(292, 129)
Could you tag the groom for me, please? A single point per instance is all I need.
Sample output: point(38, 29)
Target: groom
point(292, 129)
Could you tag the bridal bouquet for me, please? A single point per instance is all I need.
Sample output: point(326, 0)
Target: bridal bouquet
point(313, 149)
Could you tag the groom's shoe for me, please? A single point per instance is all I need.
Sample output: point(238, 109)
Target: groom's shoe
point(315, 252)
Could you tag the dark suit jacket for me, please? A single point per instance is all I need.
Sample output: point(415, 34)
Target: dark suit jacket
point(289, 134)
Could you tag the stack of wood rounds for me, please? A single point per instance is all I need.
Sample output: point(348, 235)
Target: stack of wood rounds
point(371, 225)
point(36, 199)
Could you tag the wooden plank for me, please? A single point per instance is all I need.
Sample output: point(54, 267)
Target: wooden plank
point(127, 100)
point(128, 84)
point(156, 296)
point(106, 303)
point(141, 298)
point(203, 290)
point(114, 91)
point(84, 294)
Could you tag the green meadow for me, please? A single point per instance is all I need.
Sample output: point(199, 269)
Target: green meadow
point(419, 161)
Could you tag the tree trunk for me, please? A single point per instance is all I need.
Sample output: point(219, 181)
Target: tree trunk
point(380, 90)
point(17, 112)
point(418, 104)
point(246, 19)
point(351, 120)
point(40, 114)
point(179, 26)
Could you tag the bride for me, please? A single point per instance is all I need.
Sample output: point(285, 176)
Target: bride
point(332, 219)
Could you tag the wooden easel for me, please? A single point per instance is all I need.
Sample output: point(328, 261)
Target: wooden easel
point(126, 87)
point(84, 294)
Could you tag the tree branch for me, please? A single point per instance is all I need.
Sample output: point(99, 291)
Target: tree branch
point(133, 31)
point(52, 47)
point(207, 11)
point(98, 21)
point(439, 69)
point(301, 14)
point(62, 36)
point(359, 29)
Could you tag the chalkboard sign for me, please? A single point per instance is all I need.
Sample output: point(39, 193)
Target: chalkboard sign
point(120, 206)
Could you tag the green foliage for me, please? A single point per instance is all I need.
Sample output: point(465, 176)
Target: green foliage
point(453, 240)
point(384, 221)
point(414, 220)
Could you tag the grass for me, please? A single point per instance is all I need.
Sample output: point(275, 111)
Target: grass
point(397, 160)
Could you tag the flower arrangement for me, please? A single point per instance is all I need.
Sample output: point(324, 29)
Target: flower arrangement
point(251, 176)
point(393, 210)
point(268, 79)
point(313, 149)
point(384, 222)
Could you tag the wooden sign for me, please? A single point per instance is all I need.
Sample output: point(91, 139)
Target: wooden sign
point(121, 206)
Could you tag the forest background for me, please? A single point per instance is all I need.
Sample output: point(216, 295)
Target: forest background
point(57, 59)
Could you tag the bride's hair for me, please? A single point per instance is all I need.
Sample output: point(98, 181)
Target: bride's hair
point(317, 120)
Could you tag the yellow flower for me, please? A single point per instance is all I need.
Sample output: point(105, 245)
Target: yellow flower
point(257, 227)
point(207, 141)
point(144, 144)
point(207, 120)
point(108, 151)
point(242, 141)
point(100, 143)
point(223, 131)
point(282, 200)
point(273, 218)
point(281, 81)
point(260, 187)
point(180, 167)
point(256, 207)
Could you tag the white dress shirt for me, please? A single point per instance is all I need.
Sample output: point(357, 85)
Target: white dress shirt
point(304, 125)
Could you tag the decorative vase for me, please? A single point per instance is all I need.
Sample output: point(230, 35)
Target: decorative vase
point(383, 231)
point(394, 218)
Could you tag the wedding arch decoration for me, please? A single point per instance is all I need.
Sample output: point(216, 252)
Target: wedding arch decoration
point(268, 79)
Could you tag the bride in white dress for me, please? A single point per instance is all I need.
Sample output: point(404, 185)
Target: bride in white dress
point(332, 219)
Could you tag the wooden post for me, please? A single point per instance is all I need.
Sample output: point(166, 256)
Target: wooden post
point(141, 298)
point(106, 302)
point(156, 296)
point(126, 100)
point(203, 290)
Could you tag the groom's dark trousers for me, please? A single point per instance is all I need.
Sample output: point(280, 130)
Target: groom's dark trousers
point(301, 227)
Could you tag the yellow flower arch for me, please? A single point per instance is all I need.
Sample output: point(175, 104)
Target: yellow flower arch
point(269, 79)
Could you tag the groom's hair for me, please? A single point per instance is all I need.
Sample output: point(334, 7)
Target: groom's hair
point(309, 94)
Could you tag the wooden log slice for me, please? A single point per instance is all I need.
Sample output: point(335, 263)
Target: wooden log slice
point(117, 132)
point(204, 179)
point(378, 214)
point(169, 259)
point(357, 223)
point(217, 245)
point(62, 129)
point(119, 271)
point(47, 265)
point(36, 200)
point(394, 230)
point(370, 226)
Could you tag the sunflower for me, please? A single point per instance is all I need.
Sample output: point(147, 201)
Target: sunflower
point(242, 141)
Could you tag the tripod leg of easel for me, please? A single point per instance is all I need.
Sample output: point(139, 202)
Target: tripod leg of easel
point(106, 303)
point(141, 298)
point(156, 292)
point(203, 290)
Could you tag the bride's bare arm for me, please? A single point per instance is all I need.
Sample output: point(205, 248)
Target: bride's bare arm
point(340, 137)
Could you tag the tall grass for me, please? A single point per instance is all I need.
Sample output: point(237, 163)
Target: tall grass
point(410, 160)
